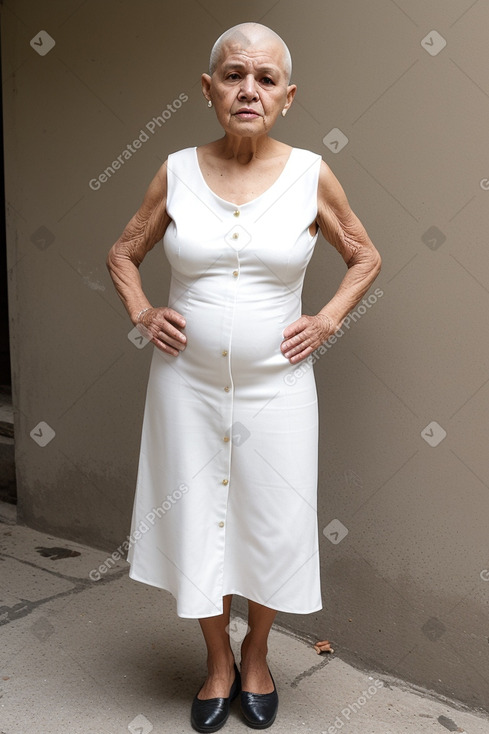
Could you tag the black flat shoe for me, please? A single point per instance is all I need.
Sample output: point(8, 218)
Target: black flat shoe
point(260, 709)
point(211, 714)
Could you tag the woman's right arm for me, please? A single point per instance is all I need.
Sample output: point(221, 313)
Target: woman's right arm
point(161, 325)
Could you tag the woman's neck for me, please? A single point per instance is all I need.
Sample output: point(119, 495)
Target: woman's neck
point(243, 149)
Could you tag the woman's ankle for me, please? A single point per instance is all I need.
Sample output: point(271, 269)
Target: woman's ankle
point(219, 663)
point(254, 653)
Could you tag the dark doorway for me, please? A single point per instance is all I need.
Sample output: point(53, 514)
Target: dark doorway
point(7, 464)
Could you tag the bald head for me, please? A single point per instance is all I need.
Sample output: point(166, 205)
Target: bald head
point(247, 35)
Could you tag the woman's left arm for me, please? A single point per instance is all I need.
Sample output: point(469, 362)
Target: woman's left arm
point(342, 228)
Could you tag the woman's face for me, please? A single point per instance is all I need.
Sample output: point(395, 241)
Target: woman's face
point(249, 87)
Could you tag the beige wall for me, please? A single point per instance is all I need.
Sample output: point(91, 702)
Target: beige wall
point(403, 590)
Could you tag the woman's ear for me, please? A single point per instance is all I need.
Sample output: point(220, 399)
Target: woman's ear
point(206, 86)
point(291, 90)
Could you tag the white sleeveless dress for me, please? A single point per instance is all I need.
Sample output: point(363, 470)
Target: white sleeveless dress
point(225, 500)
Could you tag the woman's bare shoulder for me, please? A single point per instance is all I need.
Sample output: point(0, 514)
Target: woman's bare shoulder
point(329, 188)
point(157, 189)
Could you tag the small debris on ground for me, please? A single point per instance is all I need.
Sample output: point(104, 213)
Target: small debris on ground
point(323, 646)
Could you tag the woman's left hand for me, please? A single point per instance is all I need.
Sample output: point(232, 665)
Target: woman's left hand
point(305, 335)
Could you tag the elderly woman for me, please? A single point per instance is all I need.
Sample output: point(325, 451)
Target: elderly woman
point(226, 494)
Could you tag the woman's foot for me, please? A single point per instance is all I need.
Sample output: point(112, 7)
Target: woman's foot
point(259, 705)
point(255, 674)
point(219, 680)
point(209, 714)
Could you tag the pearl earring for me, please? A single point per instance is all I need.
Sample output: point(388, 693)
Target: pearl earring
point(284, 112)
point(209, 103)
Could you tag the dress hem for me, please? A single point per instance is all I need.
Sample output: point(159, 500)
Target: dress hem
point(236, 593)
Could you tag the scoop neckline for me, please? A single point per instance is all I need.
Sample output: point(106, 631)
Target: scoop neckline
point(232, 203)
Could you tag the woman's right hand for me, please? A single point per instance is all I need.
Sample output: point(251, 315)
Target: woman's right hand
point(163, 327)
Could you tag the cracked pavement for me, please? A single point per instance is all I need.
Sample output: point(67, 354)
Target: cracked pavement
point(109, 656)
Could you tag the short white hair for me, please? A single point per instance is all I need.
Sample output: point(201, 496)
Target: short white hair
point(237, 32)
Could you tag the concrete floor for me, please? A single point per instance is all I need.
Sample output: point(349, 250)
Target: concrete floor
point(111, 656)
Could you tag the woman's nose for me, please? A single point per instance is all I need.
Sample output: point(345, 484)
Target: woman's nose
point(248, 88)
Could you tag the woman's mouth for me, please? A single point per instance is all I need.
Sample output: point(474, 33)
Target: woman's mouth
point(246, 114)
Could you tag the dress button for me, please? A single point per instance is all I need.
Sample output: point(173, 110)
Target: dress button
point(227, 389)
point(221, 524)
point(235, 273)
point(236, 213)
point(224, 352)
point(225, 439)
point(225, 482)
point(235, 235)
